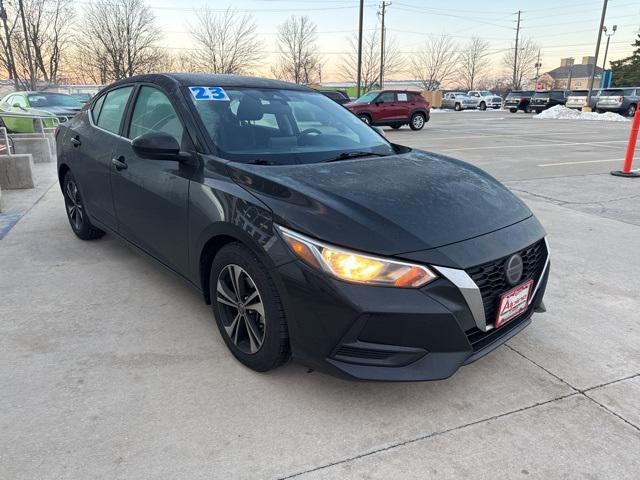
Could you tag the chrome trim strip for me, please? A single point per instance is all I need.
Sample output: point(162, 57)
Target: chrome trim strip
point(470, 292)
point(544, 271)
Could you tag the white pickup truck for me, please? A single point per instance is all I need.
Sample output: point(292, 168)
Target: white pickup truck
point(485, 99)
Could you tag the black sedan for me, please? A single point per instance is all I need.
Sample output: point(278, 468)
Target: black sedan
point(308, 232)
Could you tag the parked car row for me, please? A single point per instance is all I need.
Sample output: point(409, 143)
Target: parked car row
point(22, 110)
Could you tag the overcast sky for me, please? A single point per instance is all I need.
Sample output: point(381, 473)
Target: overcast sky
point(561, 28)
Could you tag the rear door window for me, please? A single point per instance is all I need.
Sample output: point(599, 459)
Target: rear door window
point(95, 110)
point(113, 109)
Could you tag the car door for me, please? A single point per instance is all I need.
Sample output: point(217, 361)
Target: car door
point(447, 101)
point(384, 107)
point(93, 140)
point(404, 105)
point(151, 195)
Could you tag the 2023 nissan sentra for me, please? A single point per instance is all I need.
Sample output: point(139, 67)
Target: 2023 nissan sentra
point(309, 233)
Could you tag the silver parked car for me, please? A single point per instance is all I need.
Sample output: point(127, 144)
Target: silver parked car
point(485, 99)
point(577, 99)
point(458, 101)
point(620, 100)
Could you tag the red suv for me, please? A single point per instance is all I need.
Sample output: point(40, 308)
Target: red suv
point(393, 108)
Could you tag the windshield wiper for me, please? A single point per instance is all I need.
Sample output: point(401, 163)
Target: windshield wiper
point(350, 155)
point(261, 161)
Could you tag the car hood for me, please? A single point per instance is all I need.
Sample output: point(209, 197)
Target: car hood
point(385, 205)
point(63, 110)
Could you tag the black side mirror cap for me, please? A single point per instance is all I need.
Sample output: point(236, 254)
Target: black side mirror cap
point(157, 145)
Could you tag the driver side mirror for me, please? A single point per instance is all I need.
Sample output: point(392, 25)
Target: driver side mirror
point(17, 105)
point(157, 146)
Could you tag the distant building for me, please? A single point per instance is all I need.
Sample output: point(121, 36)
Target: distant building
point(570, 75)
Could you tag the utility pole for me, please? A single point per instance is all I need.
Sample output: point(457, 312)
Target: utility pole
point(13, 73)
point(595, 62)
point(383, 10)
point(32, 73)
point(359, 81)
point(538, 66)
point(515, 54)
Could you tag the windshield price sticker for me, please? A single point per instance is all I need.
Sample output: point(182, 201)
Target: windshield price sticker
point(209, 94)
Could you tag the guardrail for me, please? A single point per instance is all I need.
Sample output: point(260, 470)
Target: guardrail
point(39, 127)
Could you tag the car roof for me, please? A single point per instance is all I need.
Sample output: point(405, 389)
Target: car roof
point(210, 79)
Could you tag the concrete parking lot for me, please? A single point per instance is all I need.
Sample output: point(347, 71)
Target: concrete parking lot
point(111, 368)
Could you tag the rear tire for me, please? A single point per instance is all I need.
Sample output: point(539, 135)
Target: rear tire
point(513, 110)
point(631, 111)
point(482, 106)
point(417, 121)
point(76, 211)
point(259, 338)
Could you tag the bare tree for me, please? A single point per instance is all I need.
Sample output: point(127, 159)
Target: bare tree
point(474, 62)
point(227, 42)
point(526, 61)
point(436, 63)
point(393, 60)
point(8, 59)
point(297, 59)
point(118, 40)
point(48, 25)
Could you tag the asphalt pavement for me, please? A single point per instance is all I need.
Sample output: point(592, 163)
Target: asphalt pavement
point(110, 368)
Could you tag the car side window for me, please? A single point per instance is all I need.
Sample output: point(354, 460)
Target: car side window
point(386, 97)
point(19, 100)
point(153, 112)
point(113, 108)
point(95, 110)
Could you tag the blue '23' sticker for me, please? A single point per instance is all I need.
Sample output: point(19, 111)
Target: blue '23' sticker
point(209, 93)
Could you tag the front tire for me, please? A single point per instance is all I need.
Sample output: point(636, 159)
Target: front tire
point(417, 121)
point(248, 309)
point(483, 106)
point(457, 107)
point(513, 110)
point(365, 118)
point(76, 211)
point(631, 111)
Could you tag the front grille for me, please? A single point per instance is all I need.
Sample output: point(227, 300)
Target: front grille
point(356, 352)
point(492, 282)
point(479, 339)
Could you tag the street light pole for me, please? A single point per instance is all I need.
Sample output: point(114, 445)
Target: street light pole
point(32, 73)
point(593, 70)
point(359, 81)
point(383, 7)
point(606, 49)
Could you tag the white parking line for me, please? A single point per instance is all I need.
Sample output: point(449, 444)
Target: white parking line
point(505, 135)
point(496, 147)
point(559, 164)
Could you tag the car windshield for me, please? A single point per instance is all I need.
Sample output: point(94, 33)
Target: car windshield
point(367, 97)
point(486, 93)
point(282, 127)
point(541, 95)
point(579, 93)
point(38, 100)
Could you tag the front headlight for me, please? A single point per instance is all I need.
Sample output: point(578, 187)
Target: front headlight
point(356, 267)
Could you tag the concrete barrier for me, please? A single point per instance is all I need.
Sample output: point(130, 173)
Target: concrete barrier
point(40, 147)
point(16, 171)
point(51, 139)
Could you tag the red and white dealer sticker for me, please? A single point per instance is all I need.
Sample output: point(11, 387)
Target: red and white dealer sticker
point(513, 303)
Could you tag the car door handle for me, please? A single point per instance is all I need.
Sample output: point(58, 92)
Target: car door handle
point(119, 163)
point(75, 141)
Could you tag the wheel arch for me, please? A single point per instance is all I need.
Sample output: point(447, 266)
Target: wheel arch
point(217, 237)
point(63, 168)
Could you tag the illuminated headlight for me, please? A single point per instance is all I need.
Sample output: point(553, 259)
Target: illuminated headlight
point(356, 267)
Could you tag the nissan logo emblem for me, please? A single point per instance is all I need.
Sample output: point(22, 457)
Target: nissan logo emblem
point(513, 269)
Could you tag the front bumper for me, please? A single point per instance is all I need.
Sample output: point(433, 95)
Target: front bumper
point(377, 333)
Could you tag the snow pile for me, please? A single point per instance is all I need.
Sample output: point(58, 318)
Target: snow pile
point(560, 112)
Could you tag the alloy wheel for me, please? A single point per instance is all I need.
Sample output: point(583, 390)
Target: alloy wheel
point(418, 121)
point(241, 309)
point(75, 209)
